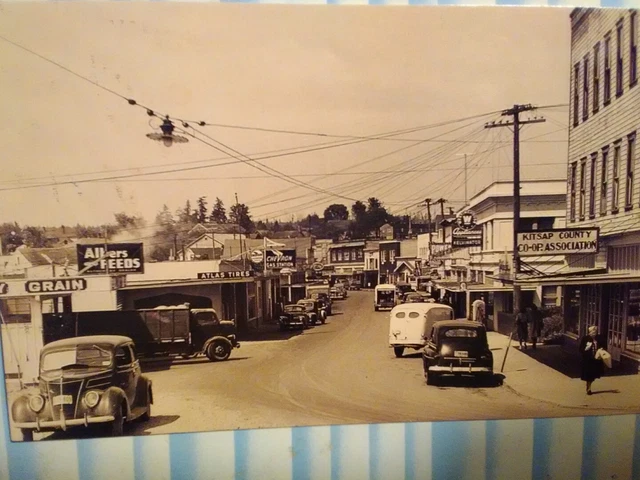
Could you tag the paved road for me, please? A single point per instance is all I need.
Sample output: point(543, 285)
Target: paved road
point(342, 372)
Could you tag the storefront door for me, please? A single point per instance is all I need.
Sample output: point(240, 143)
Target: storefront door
point(616, 320)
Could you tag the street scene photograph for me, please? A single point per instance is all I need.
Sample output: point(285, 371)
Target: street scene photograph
point(220, 217)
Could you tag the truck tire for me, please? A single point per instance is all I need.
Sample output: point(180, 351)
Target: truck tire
point(218, 351)
point(398, 351)
point(116, 428)
point(27, 434)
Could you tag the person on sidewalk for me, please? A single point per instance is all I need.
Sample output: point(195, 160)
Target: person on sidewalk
point(592, 368)
point(535, 324)
point(479, 311)
point(522, 328)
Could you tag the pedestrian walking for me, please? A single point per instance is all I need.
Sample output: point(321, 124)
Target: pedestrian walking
point(479, 311)
point(592, 367)
point(521, 324)
point(535, 324)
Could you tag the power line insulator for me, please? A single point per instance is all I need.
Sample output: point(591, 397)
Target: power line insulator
point(132, 101)
point(150, 113)
point(202, 124)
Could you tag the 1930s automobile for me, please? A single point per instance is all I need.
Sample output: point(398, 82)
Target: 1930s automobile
point(457, 347)
point(294, 316)
point(315, 308)
point(85, 381)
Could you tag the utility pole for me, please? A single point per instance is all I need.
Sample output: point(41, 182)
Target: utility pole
point(516, 123)
point(441, 201)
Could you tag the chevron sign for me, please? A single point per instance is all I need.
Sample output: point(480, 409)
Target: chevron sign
point(277, 258)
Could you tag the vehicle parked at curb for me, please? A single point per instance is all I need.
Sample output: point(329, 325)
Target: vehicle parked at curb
point(338, 292)
point(384, 296)
point(410, 324)
point(164, 331)
point(85, 381)
point(457, 347)
point(325, 298)
point(314, 308)
point(294, 317)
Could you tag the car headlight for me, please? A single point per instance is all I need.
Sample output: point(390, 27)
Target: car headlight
point(445, 350)
point(36, 403)
point(91, 398)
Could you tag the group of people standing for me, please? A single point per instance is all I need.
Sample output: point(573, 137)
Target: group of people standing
point(529, 325)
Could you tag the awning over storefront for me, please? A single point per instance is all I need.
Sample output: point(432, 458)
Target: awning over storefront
point(184, 283)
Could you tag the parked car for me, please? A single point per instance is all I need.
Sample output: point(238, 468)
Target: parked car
point(413, 297)
point(427, 298)
point(457, 347)
point(324, 297)
point(85, 381)
point(294, 316)
point(410, 324)
point(314, 308)
point(338, 292)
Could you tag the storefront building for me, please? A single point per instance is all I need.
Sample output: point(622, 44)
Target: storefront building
point(603, 288)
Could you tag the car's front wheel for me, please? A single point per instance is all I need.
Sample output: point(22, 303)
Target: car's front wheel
point(398, 351)
point(27, 434)
point(117, 426)
point(146, 416)
point(218, 351)
point(430, 377)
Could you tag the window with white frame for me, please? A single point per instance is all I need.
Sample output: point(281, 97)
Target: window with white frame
point(607, 69)
point(631, 154)
point(615, 194)
point(572, 192)
point(585, 87)
point(633, 50)
point(576, 95)
point(604, 176)
point(596, 77)
point(583, 187)
point(619, 72)
point(592, 185)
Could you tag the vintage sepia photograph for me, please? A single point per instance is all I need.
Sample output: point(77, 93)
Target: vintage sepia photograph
point(219, 217)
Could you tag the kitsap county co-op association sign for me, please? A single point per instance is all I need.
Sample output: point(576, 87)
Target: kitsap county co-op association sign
point(558, 242)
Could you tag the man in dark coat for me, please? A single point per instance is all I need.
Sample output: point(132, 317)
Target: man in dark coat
point(592, 368)
point(535, 324)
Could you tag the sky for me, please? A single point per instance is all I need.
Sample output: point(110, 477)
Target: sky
point(74, 151)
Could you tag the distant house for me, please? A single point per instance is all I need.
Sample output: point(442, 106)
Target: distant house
point(60, 236)
point(211, 235)
point(39, 262)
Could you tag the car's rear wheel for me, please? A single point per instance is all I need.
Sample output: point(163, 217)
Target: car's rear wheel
point(432, 378)
point(117, 426)
point(218, 351)
point(27, 434)
point(398, 351)
point(146, 416)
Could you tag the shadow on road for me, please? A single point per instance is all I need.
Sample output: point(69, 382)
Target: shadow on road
point(166, 364)
point(157, 421)
point(470, 382)
point(596, 392)
point(568, 362)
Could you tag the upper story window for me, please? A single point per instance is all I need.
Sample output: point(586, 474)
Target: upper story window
point(592, 186)
point(572, 192)
point(615, 193)
point(596, 77)
point(583, 187)
point(606, 96)
point(604, 176)
point(576, 95)
point(631, 155)
point(633, 50)
point(619, 71)
point(585, 88)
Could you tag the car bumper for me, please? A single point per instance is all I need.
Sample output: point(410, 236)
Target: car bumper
point(63, 424)
point(460, 370)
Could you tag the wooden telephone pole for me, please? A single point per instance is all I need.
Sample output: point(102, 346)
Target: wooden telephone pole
point(516, 123)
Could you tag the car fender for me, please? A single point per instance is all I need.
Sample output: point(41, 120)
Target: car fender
point(143, 389)
point(213, 339)
point(20, 411)
point(109, 400)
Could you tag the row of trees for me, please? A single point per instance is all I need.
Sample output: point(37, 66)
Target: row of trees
point(170, 230)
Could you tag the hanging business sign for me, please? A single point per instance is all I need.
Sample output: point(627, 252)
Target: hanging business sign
point(463, 238)
point(558, 242)
point(225, 275)
point(276, 259)
point(115, 258)
point(56, 285)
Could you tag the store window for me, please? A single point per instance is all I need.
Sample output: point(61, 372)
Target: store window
point(571, 309)
point(633, 319)
point(15, 310)
point(549, 296)
point(251, 300)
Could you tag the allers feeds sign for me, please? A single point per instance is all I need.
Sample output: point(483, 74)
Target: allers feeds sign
point(116, 258)
point(558, 242)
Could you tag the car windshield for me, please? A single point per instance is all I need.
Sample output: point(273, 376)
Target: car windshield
point(294, 309)
point(81, 356)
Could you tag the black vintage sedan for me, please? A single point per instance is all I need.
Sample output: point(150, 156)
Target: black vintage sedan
point(457, 347)
point(294, 317)
point(85, 381)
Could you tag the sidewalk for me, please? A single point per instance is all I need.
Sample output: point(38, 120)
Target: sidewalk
point(527, 375)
